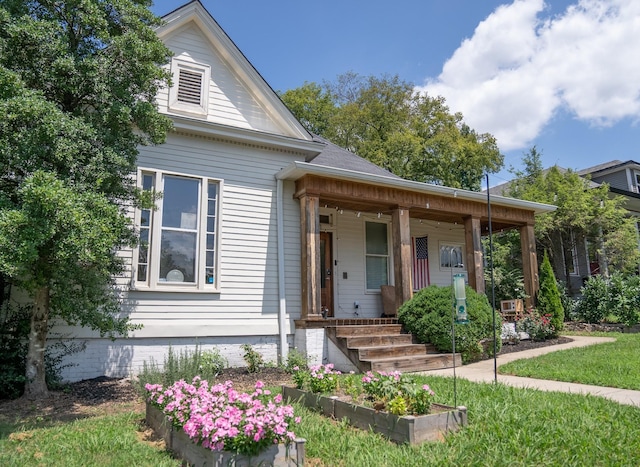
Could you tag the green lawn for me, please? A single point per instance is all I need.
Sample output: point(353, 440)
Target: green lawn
point(507, 427)
point(614, 364)
point(98, 441)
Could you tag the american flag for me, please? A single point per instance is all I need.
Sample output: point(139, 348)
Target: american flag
point(420, 263)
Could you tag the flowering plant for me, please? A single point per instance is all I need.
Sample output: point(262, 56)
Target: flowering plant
point(318, 378)
point(220, 418)
point(539, 327)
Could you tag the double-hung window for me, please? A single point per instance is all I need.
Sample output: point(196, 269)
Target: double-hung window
point(377, 255)
point(178, 240)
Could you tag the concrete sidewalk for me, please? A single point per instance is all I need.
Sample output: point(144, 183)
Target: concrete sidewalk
point(484, 372)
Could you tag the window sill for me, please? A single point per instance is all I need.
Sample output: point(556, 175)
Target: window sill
point(176, 289)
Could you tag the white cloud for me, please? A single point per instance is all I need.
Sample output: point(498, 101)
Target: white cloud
point(519, 68)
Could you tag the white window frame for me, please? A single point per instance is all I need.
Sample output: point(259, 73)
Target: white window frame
point(175, 105)
point(636, 179)
point(152, 281)
point(451, 245)
point(387, 256)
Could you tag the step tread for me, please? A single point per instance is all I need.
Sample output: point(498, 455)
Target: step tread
point(408, 357)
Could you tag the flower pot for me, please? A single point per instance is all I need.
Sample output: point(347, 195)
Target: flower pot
point(176, 440)
point(401, 429)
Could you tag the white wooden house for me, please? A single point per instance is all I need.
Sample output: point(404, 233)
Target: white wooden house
point(269, 235)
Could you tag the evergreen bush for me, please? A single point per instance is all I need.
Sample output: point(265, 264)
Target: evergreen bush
point(548, 300)
point(428, 317)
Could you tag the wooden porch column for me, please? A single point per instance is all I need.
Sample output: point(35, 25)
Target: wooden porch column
point(529, 263)
point(474, 257)
point(401, 255)
point(310, 256)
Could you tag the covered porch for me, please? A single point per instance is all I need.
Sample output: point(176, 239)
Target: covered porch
point(402, 201)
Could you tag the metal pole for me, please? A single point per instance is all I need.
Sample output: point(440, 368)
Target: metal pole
point(493, 287)
point(453, 335)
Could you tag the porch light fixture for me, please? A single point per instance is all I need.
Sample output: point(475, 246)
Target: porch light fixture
point(379, 215)
point(358, 214)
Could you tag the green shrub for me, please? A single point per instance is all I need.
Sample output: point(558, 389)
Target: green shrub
point(593, 307)
point(616, 299)
point(253, 358)
point(428, 317)
point(548, 300)
point(539, 327)
point(296, 361)
point(624, 298)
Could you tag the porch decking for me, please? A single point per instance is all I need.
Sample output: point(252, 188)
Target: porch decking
point(379, 344)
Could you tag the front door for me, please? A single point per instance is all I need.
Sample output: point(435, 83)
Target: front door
point(326, 274)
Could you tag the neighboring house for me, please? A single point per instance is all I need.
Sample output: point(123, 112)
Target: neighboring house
point(623, 179)
point(582, 262)
point(268, 235)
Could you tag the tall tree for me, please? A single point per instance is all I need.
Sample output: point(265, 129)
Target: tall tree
point(78, 81)
point(412, 135)
point(585, 212)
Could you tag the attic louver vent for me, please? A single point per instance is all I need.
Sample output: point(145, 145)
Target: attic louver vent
point(190, 87)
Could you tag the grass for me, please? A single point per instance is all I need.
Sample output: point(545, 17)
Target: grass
point(507, 427)
point(112, 440)
point(614, 364)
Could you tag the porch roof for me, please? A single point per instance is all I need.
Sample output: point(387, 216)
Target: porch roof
point(298, 169)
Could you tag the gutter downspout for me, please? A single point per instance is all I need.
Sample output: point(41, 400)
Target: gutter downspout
point(282, 308)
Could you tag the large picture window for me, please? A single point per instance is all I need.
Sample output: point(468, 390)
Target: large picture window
point(377, 255)
point(177, 247)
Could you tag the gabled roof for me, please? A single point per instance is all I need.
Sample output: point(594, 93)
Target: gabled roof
point(610, 166)
point(194, 12)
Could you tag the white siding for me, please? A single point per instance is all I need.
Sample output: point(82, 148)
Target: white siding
point(230, 102)
point(348, 237)
point(247, 305)
point(438, 233)
point(248, 300)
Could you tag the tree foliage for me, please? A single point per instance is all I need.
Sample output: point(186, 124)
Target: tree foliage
point(383, 120)
point(583, 212)
point(78, 81)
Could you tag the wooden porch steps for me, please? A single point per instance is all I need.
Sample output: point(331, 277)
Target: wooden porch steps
point(384, 347)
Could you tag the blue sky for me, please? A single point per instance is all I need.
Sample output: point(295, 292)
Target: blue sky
point(563, 75)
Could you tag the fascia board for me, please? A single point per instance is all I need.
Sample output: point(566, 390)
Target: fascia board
point(297, 170)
